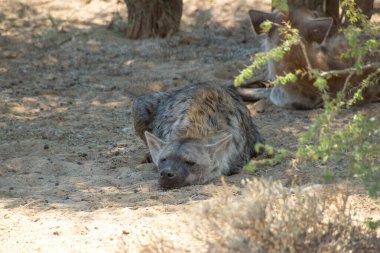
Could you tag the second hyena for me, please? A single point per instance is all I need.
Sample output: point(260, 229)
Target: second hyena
point(323, 50)
point(196, 133)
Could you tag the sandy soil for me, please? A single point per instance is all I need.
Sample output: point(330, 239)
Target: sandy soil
point(71, 177)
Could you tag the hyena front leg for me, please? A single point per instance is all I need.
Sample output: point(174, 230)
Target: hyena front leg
point(144, 111)
point(254, 94)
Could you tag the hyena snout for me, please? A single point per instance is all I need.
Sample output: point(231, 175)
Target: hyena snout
point(170, 178)
point(168, 175)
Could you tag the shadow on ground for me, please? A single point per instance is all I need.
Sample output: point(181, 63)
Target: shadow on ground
point(67, 84)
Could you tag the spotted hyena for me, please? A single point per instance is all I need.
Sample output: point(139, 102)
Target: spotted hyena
point(324, 46)
point(196, 133)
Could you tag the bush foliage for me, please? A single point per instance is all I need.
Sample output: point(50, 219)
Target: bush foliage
point(358, 141)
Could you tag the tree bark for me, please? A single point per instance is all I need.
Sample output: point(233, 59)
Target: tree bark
point(153, 18)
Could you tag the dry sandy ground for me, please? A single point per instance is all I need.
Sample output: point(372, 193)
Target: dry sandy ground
point(71, 178)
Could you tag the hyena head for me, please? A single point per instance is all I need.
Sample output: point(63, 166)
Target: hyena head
point(313, 28)
point(313, 31)
point(187, 161)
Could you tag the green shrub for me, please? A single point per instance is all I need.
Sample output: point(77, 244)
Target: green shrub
point(357, 142)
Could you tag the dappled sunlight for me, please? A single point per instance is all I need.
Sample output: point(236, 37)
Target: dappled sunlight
point(129, 62)
point(31, 108)
point(17, 108)
point(50, 61)
point(57, 15)
point(111, 105)
point(225, 13)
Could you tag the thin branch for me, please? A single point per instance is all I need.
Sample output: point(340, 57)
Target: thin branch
point(347, 81)
point(309, 67)
point(64, 41)
point(304, 52)
point(372, 65)
point(327, 34)
point(348, 78)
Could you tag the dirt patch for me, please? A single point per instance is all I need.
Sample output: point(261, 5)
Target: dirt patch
point(71, 176)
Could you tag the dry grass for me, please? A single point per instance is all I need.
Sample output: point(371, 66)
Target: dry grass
point(268, 217)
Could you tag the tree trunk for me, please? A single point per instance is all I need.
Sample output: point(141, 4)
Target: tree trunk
point(153, 18)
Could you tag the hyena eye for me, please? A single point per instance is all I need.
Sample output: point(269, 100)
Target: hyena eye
point(163, 160)
point(190, 163)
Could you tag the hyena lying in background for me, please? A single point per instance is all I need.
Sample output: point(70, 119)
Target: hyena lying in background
point(196, 133)
point(324, 47)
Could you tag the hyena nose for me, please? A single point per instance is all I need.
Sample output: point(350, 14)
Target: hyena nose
point(167, 174)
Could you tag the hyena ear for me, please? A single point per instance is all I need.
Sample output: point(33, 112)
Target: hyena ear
point(155, 146)
point(258, 17)
point(216, 149)
point(316, 30)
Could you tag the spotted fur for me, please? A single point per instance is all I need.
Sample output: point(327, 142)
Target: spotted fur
point(202, 124)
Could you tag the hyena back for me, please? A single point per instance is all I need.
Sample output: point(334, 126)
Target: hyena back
point(196, 133)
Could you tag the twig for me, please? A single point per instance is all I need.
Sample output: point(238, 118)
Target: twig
point(32, 202)
point(350, 70)
point(347, 81)
point(309, 67)
point(349, 77)
point(53, 23)
point(304, 52)
point(64, 41)
point(327, 33)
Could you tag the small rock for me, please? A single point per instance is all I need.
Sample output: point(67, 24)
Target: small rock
point(50, 77)
point(93, 43)
point(127, 130)
point(9, 55)
point(261, 105)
